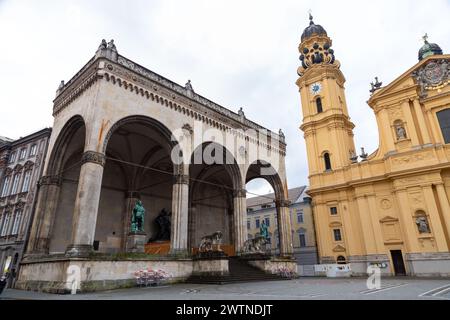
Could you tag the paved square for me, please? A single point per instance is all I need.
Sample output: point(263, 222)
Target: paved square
point(300, 289)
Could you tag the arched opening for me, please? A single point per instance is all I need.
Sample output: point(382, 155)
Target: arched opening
point(214, 176)
point(444, 122)
point(341, 260)
point(319, 105)
point(258, 172)
point(65, 162)
point(261, 209)
point(327, 161)
point(138, 167)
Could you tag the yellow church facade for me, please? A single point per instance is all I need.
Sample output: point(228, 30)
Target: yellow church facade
point(390, 208)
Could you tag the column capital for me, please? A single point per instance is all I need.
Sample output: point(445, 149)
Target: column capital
point(55, 180)
point(181, 179)
point(242, 193)
point(282, 203)
point(93, 157)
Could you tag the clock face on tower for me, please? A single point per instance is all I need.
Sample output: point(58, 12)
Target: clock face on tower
point(316, 88)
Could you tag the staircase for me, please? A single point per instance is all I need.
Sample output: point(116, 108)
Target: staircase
point(240, 271)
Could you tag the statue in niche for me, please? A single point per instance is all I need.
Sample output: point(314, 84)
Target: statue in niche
point(401, 132)
point(137, 219)
point(422, 225)
point(163, 220)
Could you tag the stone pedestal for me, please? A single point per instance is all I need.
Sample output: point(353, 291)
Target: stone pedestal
point(136, 242)
point(211, 267)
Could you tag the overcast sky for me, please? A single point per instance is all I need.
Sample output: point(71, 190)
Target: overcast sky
point(236, 53)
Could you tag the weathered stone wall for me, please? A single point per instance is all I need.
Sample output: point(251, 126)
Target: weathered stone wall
point(95, 275)
point(273, 265)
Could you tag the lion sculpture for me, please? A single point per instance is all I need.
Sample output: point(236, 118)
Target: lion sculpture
point(207, 242)
point(254, 245)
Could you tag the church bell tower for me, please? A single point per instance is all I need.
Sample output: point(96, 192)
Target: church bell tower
point(326, 122)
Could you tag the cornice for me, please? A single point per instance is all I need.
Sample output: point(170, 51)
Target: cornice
point(135, 78)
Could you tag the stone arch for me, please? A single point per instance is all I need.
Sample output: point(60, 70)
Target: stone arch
point(141, 119)
point(214, 178)
point(56, 159)
point(263, 169)
point(59, 187)
point(138, 151)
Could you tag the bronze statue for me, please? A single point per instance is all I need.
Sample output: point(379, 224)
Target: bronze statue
point(263, 231)
point(163, 220)
point(137, 219)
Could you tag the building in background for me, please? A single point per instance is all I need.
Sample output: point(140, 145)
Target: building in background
point(389, 208)
point(21, 164)
point(263, 208)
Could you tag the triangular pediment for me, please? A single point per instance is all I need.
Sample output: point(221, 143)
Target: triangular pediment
point(388, 219)
point(405, 81)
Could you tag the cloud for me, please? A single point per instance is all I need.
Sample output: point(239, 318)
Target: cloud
point(237, 53)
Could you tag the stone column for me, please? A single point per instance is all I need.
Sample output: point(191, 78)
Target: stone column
point(422, 123)
point(350, 234)
point(434, 127)
point(445, 206)
point(180, 207)
point(407, 220)
point(411, 130)
point(435, 221)
point(366, 225)
point(47, 201)
point(387, 131)
point(86, 204)
point(376, 226)
point(284, 228)
point(240, 219)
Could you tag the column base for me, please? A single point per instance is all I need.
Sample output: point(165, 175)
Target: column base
point(136, 242)
point(79, 250)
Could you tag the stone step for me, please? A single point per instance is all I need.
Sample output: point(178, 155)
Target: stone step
point(240, 271)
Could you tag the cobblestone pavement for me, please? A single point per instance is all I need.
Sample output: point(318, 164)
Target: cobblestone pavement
point(300, 289)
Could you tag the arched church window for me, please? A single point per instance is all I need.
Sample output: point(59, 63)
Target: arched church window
point(327, 161)
point(400, 131)
point(319, 105)
point(444, 122)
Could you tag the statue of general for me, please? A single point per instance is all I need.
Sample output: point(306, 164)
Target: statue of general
point(137, 219)
point(263, 231)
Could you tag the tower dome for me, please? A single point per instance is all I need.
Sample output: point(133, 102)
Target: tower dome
point(428, 49)
point(315, 47)
point(313, 29)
